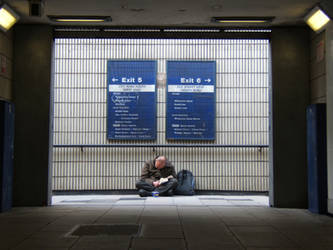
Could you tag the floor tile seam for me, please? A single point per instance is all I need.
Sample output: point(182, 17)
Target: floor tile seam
point(31, 234)
point(95, 205)
point(285, 235)
point(265, 222)
point(196, 206)
point(79, 237)
point(229, 230)
point(139, 216)
point(182, 228)
point(133, 205)
point(74, 243)
point(162, 238)
point(107, 211)
point(138, 220)
point(173, 203)
point(130, 243)
point(23, 240)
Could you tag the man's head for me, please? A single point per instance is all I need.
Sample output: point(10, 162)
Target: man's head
point(160, 162)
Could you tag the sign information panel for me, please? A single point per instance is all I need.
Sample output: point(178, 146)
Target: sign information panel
point(191, 100)
point(131, 100)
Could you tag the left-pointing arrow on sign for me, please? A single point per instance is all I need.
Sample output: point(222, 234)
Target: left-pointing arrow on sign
point(114, 79)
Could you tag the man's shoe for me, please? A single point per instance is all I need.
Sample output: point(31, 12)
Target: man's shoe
point(144, 193)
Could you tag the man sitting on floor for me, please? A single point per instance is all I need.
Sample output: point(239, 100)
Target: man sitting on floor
point(157, 175)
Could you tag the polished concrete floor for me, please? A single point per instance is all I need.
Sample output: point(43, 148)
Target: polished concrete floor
point(170, 223)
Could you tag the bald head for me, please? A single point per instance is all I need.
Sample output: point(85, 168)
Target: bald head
point(160, 162)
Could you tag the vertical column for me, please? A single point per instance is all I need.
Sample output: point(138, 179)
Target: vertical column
point(31, 95)
point(290, 96)
point(329, 96)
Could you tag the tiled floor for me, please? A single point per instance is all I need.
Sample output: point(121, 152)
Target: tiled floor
point(170, 223)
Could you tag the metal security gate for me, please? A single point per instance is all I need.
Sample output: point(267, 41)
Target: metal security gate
point(83, 158)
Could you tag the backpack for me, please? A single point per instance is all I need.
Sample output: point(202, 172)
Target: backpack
point(186, 183)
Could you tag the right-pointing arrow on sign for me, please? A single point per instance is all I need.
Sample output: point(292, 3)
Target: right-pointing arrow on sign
point(208, 80)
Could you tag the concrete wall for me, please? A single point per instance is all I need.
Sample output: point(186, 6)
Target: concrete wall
point(318, 68)
point(31, 95)
point(289, 97)
point(6, 62)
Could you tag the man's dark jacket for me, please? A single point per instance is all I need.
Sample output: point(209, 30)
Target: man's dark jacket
point(150, 173)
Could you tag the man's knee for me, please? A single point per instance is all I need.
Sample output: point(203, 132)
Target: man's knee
point(138, 184)
point(173, 182)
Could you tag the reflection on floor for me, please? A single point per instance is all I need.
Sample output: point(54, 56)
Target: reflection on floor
point(171, 223)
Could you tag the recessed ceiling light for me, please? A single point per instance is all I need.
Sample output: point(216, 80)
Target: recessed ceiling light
point(7, 17)
point(317, 19)
point(242, 20)
point(80, 18)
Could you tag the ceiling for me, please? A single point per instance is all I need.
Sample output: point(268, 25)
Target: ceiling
point(169, 12)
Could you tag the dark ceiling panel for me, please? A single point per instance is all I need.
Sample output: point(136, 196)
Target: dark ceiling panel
point(171, 12)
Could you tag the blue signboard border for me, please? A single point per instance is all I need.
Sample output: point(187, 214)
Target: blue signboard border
point(154, 137)
point(166, 103)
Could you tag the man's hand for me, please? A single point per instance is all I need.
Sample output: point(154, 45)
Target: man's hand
point(156, 183)
point(170, 177)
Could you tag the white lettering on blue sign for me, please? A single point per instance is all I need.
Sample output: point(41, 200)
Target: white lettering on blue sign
point(191, 88)
point(132, 88)
point(186, 80)
point(128, 79)
point(194, 80)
